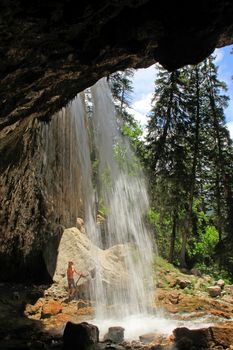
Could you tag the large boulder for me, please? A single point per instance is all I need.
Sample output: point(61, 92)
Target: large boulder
point(80, 336)
point(203, 337)
point(76, 246)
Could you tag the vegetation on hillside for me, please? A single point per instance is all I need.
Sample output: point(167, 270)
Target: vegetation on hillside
point(188, 156)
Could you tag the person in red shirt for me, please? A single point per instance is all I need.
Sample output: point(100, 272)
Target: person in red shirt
point(70, 277)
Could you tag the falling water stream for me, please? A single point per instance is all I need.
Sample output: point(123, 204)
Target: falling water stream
point(123, 193)
point(114, 183)
point(113, 186)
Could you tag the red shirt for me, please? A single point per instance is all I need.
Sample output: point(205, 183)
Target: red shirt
point(70, 272)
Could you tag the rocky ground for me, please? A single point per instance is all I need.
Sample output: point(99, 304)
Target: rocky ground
point(34, 317)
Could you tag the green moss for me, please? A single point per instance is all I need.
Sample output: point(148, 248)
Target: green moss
point(161, 263)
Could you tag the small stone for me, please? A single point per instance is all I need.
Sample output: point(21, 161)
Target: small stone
point(220, 283)
point(115, 334)
point(214, 291)
point(79, 223)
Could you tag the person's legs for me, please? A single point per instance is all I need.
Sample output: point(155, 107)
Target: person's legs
point(73, 289)
point(70, 284)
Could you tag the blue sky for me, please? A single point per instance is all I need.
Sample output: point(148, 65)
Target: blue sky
point(143, 84)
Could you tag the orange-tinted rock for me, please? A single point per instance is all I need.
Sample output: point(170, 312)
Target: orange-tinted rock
point(194, 337)
point(220, 313)
point(34, 311)
point(52, 307)
point(222, 335)
point(204, 337)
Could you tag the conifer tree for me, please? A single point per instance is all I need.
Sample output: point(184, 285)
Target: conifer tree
point(166, 144)
point(122, 88)
point(190, 155)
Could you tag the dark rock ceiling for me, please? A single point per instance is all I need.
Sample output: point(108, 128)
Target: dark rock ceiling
point(52, 49)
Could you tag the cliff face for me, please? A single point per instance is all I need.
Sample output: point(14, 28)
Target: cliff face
point(50, 51)
point(40, 196)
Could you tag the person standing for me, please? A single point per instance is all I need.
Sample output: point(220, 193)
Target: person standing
point(70, 278)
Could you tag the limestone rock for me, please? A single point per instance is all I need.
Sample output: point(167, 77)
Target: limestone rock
point(228, 289)
point(76, 246)
point(80, 225)
point(220, 283)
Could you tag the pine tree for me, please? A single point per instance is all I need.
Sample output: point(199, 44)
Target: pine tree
point(190, 156)
point(166, 144)
point(122, 88)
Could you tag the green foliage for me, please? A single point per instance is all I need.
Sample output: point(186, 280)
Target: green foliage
point(119, 153)
point(154, 219)
point(121, 86)
point(106, 177)
point(163, 264)
point(160, 225)
point(95, 166)
point(188, 153)
point(214, 271)
point(134, 132)
point(203, 247)
point(102, 208)
point(130, 165)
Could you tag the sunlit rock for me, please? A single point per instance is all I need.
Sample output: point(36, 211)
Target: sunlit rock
point(220, 283)
point(214, 291)
point(77, 247)
point(228, 289)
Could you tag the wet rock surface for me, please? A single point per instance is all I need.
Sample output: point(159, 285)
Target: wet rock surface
point(35, 317)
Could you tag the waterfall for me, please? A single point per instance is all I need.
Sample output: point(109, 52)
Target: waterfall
point(111, 184)
point(122, 190)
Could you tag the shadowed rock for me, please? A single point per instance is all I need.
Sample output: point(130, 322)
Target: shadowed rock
point(80, 336)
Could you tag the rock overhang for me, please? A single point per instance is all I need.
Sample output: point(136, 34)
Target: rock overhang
point(51, 50)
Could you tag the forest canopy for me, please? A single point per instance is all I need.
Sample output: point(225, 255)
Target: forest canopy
point(187, 155)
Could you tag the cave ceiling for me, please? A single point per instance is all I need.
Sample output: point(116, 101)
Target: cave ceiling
point(52, 49)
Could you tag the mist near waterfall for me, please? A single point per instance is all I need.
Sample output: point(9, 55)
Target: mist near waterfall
point(97, 161)
point(122, 192)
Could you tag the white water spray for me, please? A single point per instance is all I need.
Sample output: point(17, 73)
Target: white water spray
point(88, 135)
point(96, 171)
point(123, 194)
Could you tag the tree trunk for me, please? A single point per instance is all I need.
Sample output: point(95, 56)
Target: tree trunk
point(162, 139)
point(188, 223)
point(219, 165)
point(173, 238)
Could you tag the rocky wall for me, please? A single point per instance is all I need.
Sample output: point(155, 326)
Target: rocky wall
point(40, 196)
